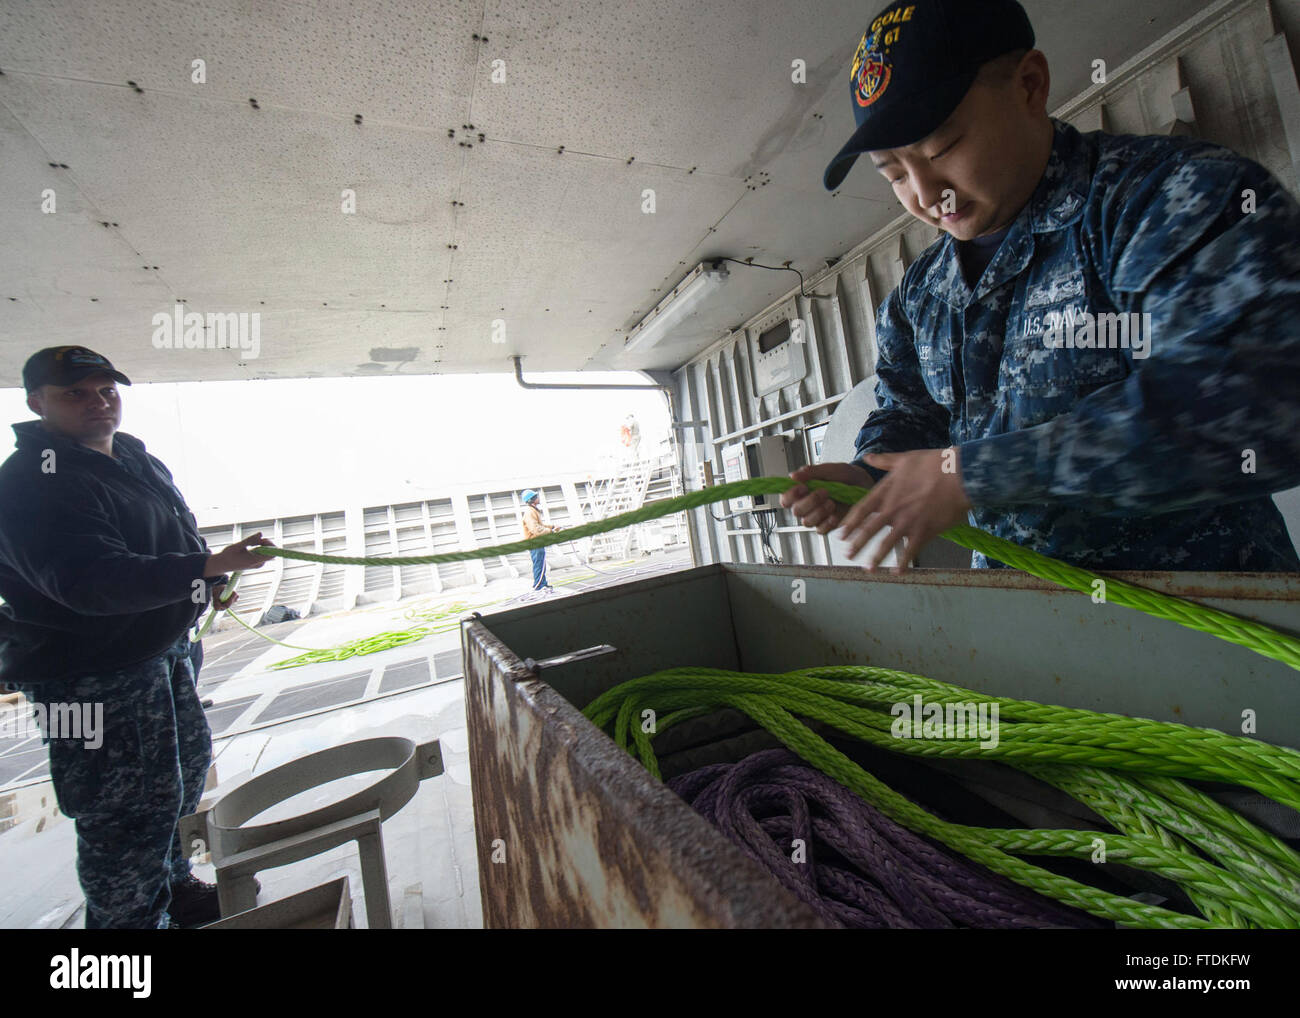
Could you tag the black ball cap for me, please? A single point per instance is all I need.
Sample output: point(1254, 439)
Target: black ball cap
point(914, 65)
point(65, 365)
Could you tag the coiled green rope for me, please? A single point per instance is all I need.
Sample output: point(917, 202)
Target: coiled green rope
point(435, 620)
point(1125, 769)
point(1248, 633)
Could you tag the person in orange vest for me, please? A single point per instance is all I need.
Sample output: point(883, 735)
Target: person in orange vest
point(534, 527)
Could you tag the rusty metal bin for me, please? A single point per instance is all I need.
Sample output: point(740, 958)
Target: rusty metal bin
point(572, 831)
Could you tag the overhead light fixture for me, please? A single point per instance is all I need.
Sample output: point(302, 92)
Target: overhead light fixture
point(687, 295)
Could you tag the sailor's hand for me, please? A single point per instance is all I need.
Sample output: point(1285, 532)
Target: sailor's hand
point(238, 556)
point(920, 498)
point(815, 507)
point(218, 596)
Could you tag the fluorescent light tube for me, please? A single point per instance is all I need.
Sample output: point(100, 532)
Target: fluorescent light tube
point(685, 298)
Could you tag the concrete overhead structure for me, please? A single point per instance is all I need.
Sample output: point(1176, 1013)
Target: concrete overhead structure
point(421, 188)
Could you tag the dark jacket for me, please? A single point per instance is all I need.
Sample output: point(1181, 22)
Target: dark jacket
point(98, 558)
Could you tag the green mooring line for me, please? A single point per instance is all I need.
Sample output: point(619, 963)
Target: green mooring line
point(1132, 772)
point(1256, 636)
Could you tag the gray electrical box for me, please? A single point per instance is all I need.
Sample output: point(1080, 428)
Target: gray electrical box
point(764, 456)
point(778, 353)
point(814, 437)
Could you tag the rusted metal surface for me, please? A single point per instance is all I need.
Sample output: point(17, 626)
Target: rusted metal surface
point(1193, 586)
point(589, 839)
point(572, 832)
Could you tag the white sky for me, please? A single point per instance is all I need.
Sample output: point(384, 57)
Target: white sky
point(300, 445)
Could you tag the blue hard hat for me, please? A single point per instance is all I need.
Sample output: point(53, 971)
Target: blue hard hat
point(528, 495)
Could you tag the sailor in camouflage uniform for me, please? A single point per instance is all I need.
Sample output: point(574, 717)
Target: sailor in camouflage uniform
point(1101, 358)
point(103, 570)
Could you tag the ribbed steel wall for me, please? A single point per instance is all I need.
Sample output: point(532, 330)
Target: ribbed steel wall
point(460, 519)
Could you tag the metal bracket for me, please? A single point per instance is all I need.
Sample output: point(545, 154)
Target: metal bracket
point(240, 849)
point(563, 659)
point(429, 758)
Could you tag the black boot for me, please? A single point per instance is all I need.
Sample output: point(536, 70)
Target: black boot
point(194, 903)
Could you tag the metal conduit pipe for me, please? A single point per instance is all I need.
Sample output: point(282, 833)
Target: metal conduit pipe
point(519, 377)
point(667, 390)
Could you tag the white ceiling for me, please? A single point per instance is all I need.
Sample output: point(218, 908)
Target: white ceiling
point(239, 208)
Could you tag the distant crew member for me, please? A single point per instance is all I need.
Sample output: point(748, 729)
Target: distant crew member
point(534, 527)
point(103, 572)
point(630, 435)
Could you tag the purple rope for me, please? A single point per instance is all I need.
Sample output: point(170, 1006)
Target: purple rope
point(861, 869)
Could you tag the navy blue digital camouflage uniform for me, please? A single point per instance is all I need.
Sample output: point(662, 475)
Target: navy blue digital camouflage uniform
point(127, 795)
point(1095, 456)
point(98, 567)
